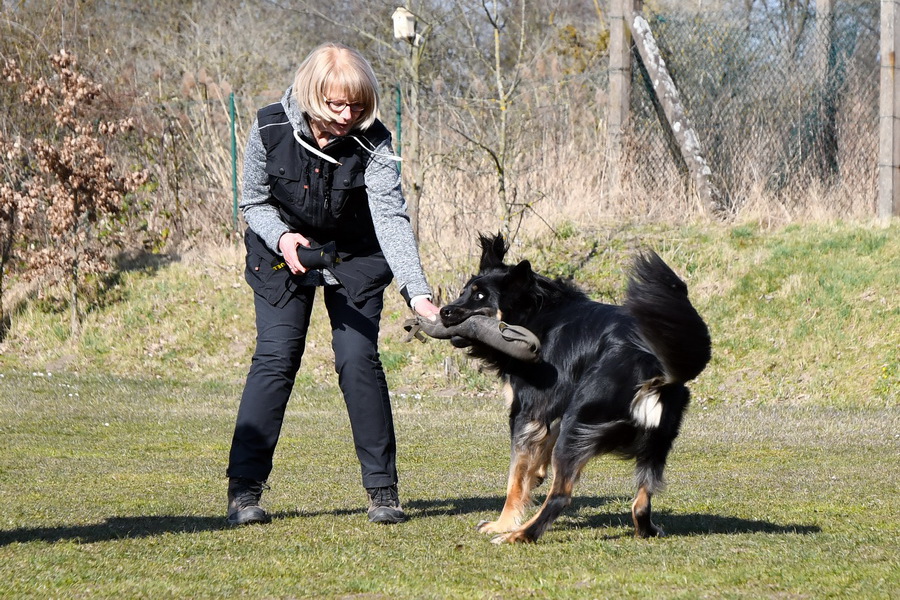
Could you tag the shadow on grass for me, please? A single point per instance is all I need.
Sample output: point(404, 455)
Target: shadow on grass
point(673, 524)
point(115, 528)
point(684, 525)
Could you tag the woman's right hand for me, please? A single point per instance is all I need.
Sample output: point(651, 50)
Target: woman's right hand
point(424, 308)
point(288, 243)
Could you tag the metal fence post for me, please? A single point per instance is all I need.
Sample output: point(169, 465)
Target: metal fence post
point(399, 118)
point(234, 190)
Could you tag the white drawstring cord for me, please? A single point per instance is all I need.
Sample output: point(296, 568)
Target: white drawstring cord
point(315, 151)
point(331, 159)
point(372, 150)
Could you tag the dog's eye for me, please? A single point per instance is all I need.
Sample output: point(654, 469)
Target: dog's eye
point(480, 296)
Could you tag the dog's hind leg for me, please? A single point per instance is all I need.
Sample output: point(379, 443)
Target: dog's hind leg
point(649, 480)
point(651, 461)
point(640, 514)
point(532, 447)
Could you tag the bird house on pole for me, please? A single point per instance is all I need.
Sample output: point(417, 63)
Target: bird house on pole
point(404, 24)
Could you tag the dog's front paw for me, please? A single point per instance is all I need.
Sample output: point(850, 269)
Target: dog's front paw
point(513, 537)
point(494, 526)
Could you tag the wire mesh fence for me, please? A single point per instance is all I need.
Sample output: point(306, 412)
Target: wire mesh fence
point(778, 111)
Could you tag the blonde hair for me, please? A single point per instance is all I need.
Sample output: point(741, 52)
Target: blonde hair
point(335, 66)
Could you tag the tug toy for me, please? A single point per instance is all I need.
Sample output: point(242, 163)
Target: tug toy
point(513, 340)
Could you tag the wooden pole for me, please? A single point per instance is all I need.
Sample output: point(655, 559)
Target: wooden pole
point(676, 118)
point(619, 85)
point(827, 80)
point(824, 33)
point(888, 204)
point(414, 149)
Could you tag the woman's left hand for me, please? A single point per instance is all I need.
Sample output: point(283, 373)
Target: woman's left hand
point(424, 308)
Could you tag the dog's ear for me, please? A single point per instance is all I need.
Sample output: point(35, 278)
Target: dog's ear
point(493, 251)
point(520, 277)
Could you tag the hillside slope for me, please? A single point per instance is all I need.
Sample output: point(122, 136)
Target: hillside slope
point(805, 314)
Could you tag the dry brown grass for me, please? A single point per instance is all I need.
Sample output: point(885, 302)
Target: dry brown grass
point(564, 191)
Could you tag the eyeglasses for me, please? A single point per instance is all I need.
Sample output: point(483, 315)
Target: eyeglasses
point(338, 107)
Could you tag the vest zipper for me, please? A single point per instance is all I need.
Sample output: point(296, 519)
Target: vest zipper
point(326, 189)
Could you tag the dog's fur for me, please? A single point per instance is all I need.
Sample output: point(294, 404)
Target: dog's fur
point(611, 379)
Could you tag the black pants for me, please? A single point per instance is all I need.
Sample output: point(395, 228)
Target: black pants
point(281, 339)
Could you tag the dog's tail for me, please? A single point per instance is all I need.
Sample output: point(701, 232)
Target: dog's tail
point(669, 326)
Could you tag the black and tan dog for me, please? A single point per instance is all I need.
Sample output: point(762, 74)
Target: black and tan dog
point(610, 380)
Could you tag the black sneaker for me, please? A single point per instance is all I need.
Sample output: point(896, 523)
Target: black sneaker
point(384, 505)
point(243, 501)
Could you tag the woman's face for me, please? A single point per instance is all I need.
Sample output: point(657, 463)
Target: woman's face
point(345, 110)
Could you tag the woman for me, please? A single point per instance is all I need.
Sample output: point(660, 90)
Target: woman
point(319, 171)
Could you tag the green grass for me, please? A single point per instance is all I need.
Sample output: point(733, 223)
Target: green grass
point(119, 493)
point(782, 484)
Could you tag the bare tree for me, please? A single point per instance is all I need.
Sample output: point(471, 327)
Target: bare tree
point(498, 38)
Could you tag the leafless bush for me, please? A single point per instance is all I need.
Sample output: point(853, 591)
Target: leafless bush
point(62, 194)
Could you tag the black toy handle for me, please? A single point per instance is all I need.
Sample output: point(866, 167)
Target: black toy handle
point(313, 257)
point(318, 257)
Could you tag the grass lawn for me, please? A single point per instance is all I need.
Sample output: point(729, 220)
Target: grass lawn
point(121, 494)
point(782, 484)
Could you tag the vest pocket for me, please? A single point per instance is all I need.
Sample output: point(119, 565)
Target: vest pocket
point(289, 183)
point(266, 272)
point(347, 188)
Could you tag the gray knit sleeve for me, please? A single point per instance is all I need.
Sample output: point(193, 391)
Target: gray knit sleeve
point(261, 216)
point(392, 226)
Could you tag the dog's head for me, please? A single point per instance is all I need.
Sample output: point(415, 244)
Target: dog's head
point(498, 290)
